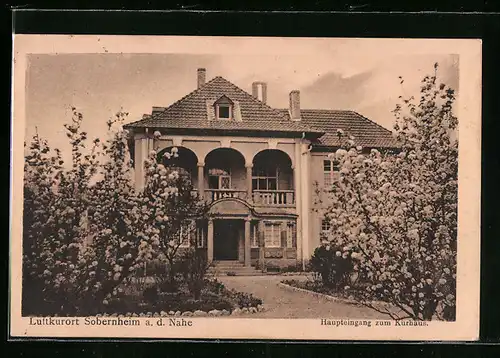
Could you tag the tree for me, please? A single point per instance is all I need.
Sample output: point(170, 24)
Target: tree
point(168, 215)
point(111, 254)
point(55, 200)
point(87, 232)
point(395, 213)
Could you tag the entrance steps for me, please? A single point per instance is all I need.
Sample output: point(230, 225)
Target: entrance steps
point(232, 268)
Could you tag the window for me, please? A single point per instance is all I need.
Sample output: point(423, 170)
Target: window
point(185, 235)
point(290, 235)
point(223, 111)
point(219, 178)
point(265, 178)
point(325, 227)
point(224, 108)
point(254, 236)
point(200, 236)
point(330, 169)
point(272, 235)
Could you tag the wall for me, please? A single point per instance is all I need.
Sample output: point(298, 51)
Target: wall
point(319, 199)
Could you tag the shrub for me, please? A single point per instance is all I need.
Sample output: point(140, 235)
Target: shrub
point(333, 267)
point(150, 294)
point(297, 267)
point(243, 299)
point(214, 286)
point(193, 266)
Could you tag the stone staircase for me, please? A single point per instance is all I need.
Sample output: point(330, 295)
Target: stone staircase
point(232, 268)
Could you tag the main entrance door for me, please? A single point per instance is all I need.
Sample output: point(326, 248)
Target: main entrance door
point(226, 236)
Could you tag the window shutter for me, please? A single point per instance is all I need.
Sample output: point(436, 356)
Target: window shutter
point(210, 110)
point(237, 111)
point(294, 236)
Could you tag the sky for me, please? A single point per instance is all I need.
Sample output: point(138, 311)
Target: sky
point(328, 77)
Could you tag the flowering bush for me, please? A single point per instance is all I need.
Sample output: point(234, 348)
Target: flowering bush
point(55, 201)
point(395, 214)
point(86, 232)
point(166, 217)
point(110, 254)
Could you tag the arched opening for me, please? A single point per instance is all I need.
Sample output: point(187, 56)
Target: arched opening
point(182, 160)
point(225, 174)
point(272, 178)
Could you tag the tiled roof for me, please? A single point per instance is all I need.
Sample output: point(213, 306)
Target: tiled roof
point(190, 112)
point(366, 132)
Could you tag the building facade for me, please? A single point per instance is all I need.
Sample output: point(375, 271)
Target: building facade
point(261, 169)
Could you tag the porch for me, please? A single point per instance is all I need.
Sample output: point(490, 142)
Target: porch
point(249, 241)
point(268, 181)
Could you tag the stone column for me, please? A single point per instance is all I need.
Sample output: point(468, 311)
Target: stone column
point(297, 182)
point(249, 182)
point(210, 241)
point(201, 179)
point(141, 153)
point(306, 202)
point(247, 241)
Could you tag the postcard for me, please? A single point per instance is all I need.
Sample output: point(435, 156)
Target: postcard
point(178, 187)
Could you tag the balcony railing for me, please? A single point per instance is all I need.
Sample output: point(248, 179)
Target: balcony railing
point(216, 194)
point(274, 197)
point(259, 197)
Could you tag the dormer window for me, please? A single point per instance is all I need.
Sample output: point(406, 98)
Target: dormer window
point(223, 112)
point(224, 108)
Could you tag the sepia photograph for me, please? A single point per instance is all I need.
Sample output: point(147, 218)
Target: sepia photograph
point(250, 188)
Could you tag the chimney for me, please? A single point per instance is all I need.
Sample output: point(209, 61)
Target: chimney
point(295, 105)
point(259, 91)
point(201, 76)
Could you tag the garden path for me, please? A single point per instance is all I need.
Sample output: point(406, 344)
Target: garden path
point(283, 303)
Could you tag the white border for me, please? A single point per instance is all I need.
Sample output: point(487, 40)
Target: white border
point(466, 326)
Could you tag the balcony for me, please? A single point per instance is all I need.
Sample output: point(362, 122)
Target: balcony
point(275, 198)
point(265, 182)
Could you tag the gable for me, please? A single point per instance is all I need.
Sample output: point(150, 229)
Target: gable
point(193, 105)
point(224, 100)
